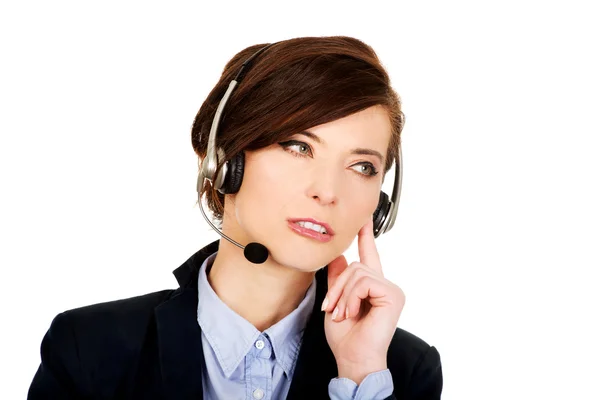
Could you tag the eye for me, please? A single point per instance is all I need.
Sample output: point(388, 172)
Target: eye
point(303, 148)
point(366, 168)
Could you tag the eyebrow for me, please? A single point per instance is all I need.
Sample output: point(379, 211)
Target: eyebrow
point(359, 150)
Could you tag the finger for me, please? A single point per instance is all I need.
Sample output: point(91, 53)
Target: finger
point(340, 295)
point(336, 288)
point(367, 288)
point(335, 269)
point(367, 250)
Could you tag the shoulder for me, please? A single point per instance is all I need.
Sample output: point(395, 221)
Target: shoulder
point(415, 366)
point(109, 334)
point(92, 349)
point(113, 328)
point(406, 346)
point(124, 313)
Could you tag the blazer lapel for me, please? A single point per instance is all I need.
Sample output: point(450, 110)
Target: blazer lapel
point(178, 333)
point(180, 346)
point(316, 364)
point(180, 341)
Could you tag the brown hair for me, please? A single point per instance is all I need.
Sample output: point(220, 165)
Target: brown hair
point(292, 86)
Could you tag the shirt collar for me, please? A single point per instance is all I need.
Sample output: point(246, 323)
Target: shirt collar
point(231, 337)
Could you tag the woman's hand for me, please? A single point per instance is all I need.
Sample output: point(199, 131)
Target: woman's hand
point(362, 311)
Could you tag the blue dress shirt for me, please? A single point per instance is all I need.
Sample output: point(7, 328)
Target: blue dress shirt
point(240, 362)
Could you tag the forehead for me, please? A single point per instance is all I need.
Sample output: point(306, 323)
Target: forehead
point(369, 126)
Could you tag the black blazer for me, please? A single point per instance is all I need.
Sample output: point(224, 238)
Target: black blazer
point(149, 347)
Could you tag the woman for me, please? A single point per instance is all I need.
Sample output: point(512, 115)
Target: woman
point(295, 139)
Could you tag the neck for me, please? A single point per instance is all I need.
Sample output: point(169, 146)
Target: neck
point(263, 294)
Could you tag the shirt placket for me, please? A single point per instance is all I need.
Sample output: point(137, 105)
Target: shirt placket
point(258, 370)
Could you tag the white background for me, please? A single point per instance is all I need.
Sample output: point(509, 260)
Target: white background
point(497, 238)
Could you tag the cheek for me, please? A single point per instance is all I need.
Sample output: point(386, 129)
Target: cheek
point(366, 203)
point(265, 191)
point(265, 170)
point(362, 208)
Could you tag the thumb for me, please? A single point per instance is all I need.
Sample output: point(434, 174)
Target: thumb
point(334, 270)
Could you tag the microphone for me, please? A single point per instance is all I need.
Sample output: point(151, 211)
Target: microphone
point(254, 252)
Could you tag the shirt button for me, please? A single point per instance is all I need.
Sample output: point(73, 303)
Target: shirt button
point(259, 345)
point(258, 394)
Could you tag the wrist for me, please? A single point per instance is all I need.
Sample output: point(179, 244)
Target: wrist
point(358, 372)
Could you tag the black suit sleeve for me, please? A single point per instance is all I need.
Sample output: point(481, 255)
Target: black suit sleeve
point(426, 380)
point(59, 374)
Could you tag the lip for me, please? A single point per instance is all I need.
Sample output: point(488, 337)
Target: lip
point(309, 232)
point(325, 225)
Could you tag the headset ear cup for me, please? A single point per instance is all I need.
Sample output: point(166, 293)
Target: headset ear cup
point(235, 174)
point(380, 212)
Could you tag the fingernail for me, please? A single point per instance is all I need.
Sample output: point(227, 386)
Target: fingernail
point(325, 303)
point(335, 312)
point(347, 312)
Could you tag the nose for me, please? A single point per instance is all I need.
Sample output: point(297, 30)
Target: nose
point(324, 187)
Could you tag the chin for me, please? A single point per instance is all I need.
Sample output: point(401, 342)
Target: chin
point(299, 265)
point(303, 256)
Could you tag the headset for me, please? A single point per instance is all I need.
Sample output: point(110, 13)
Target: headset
point(229, 178)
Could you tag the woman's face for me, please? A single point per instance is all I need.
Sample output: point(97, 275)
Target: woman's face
point(323, 178)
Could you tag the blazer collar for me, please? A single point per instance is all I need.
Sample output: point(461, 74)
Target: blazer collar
point(187, 273)
point(180, 344)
